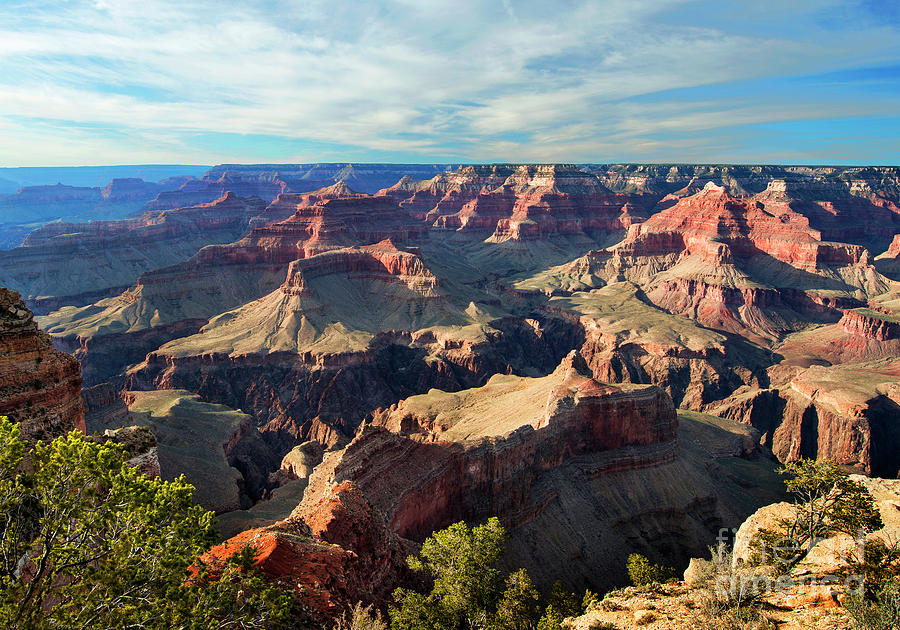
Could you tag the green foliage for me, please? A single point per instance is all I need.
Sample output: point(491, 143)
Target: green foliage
point(879, 565)
point(642, 572)
point(520, 604)
point(470, 593)
point(565, 602)
point(362, 618)
point(551, 620)
point(90, 542)
point(461, 561)
point(827, 502)
point(589, 600)
point(830, 502)
point(882, 614)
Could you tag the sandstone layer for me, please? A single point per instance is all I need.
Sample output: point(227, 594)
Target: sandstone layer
point(848, 413)
point(40, 387)
point(576, 469)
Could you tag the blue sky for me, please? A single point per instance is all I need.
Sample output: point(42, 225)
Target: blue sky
point(205, 82)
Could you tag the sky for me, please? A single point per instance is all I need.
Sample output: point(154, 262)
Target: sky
point(87, 82)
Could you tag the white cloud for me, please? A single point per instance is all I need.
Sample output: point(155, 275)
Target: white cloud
point(431, 78)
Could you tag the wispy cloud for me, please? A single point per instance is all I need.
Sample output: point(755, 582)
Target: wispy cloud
point(153, 80)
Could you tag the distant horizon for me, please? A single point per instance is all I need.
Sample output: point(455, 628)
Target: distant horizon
point(456, 162)
point(97, 176)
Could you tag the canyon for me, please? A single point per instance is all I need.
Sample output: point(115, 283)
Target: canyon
point(343, 358)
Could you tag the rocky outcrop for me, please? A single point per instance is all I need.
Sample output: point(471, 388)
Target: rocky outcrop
point(847, 413)
point(344, 554)
point(554, 457)
point(627, 339)
point(139, 444)
point(348, 331)
point(742, 266)
point(888, 262)
point(300, 462)
point(855, 208)
point(471, 468)
point(39, 387)
point(870, 324)
point(520, 203)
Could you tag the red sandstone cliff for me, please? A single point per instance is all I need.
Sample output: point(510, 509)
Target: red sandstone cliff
point(39, 387)
point(847, 413)
point(554, 457)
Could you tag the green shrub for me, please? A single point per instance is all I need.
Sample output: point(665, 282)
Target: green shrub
point(881, 614)
point(361, 618)
point(643, 573)
point(90, 542)
point(827, 502)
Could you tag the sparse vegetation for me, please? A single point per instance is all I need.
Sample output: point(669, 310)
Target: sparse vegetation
point(730, 597)
point(362, 618)
point(469, 592)
point(879, 565)
point(644, 573)
point(881, 614)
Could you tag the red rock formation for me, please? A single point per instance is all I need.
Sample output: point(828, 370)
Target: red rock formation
point(518, 203)
point(493, 472)
point(39, 387)
point(846, 413)
point(848, 211)
point(741, 265)
point(870, 324)
point(888, 262)
point(538, 453)
point(350, 330)
point(318, 223)
point(627, 340)
point(341, 554)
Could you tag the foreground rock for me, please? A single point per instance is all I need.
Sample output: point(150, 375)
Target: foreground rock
point(811, 595)
point(40, 387)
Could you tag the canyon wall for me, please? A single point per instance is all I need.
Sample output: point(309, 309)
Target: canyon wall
point(40, 388)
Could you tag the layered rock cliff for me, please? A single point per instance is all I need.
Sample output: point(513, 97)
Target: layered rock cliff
point(40, 387)
point(849, 413)
point(709, 282)
point(579, 471)
point(349, 330)
point(269, 180)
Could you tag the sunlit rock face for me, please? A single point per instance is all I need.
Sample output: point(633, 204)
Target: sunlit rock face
point(40, 388)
